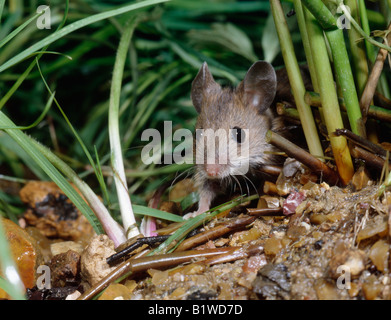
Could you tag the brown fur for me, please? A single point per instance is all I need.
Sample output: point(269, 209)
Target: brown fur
point(245, 107)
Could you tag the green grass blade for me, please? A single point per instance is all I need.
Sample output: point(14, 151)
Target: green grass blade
point(1, 8)
point(128, 219)
point(73, 27)
point(18, 29)
point(146, 211)
point(24, 141)
point(39, 119)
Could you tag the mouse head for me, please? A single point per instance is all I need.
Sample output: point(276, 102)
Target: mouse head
point(258, 87)
point(242, 113)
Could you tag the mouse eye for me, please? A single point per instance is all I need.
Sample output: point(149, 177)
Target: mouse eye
point(238, 134)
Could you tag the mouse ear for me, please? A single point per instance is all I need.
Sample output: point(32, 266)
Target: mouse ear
point(203, 84)
point(259, 85)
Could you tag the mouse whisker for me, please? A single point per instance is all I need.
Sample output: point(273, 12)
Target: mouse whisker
point(177, 177)
point(252, 183)
point(239, 184)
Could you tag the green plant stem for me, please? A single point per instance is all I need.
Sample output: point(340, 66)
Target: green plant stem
point(345, 80)
point(359, 29)
point(296, 80)
point(365, 25)
point(128, 219)
point(306, 42)
point(321, 13)
point(383, 84)
point(357, 50)
point(331, 112)
point(342, 66)
point(378, 113)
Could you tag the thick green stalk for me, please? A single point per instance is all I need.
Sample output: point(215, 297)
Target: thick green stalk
point(321, 13)
point(296, 80)
point(357, 50)
point(342, 66)
point(383, 84)
point(306, 42)
point(365, 25)
point(360, 30)
point(378, 113)
point(328, 94)
point(345, 80)
point(128, 219)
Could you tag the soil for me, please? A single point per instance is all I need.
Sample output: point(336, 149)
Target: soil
point(325, 243)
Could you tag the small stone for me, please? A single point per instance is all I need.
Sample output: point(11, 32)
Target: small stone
point(50, 211)
point(63, 246)
point(93, 259)
point(273, 246)
point(292, 202)
point(73, 296)
point(65, 269)
point(325, 290)
point(272, 281)
point(25, 252)
point(371, 288)
point(254, 263)
point(116, 291)
point(377, 226)
point(360, 179)
point(352, 259)
point(379, 255)
point(354, 289)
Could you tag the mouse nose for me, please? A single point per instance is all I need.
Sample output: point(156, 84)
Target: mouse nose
point(212, 170)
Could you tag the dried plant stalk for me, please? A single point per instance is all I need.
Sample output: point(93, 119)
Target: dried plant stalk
point(317, 166)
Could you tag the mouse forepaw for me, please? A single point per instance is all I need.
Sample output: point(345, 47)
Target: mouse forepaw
point(203, 206)
point(192, 214)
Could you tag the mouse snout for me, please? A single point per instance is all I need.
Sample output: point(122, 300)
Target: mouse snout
point(212, 170)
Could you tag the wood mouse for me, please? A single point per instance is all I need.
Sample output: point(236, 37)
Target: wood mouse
point(244, 113)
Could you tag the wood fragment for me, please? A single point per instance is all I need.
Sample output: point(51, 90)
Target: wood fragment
point(270, 188)
point(271, 170)
point(215, 232)
point(314, 164)
point(162, 261)
point(265, 211)
point(239, 253)
point(375, 112)
point(365, 143)
point(371, 159)
point(133, 246)
point(373, 78)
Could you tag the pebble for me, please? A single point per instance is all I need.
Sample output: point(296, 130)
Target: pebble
point(25, 251)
